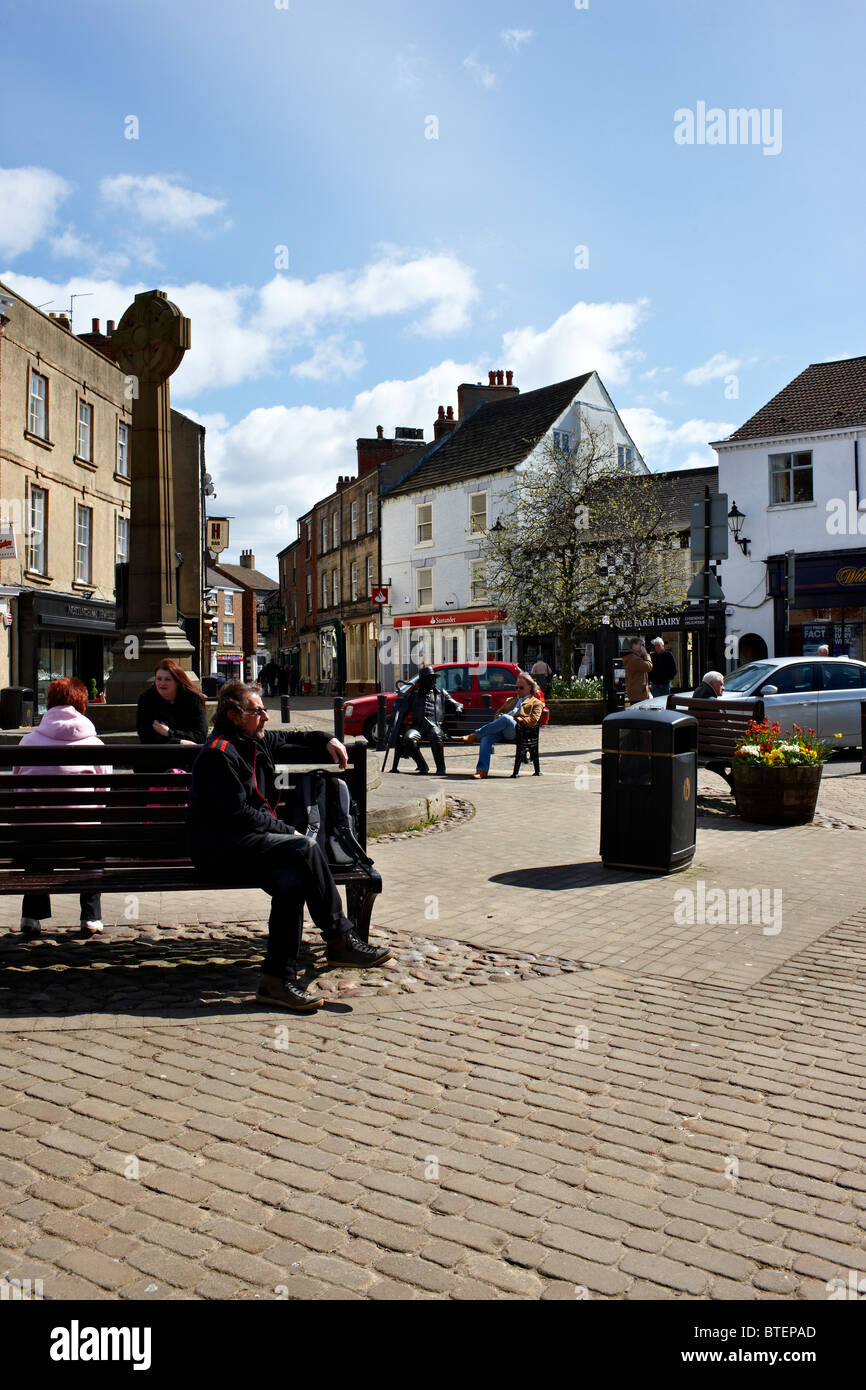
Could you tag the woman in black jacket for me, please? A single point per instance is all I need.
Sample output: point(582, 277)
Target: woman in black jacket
point(171, 710)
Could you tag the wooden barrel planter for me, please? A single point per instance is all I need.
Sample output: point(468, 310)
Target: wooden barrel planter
point(776, 795)
point(576, 711)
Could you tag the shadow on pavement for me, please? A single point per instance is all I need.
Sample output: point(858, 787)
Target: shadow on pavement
point(559, 877)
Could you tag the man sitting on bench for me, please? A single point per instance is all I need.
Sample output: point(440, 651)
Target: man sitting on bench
point(236, 836)
point(711, 687)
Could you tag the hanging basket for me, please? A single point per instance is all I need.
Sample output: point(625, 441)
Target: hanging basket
point(776, 795)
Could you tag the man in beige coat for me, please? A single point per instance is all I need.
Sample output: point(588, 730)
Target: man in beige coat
point(637, 671)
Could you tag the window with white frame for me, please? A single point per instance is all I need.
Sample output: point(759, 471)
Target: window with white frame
point(325, 591)
point(477, 581)
point(477, 512)
point(562, 440)
point(791, 478)
point(37, 414)
point(123, 449)
point(369, 512)
point(36, 549)
point(624, 455)
point(369, 574)
point(309, 541)
point(122, 539)
point(424, 588)
point(228, 634)
point(84, 443)
point(324, 546)
point(309, 593)
point(228, 601)
point(354, 521)
point(335, 530)
point(423, 523)
point(353, 577)
point(335, 587)
point(83, 544)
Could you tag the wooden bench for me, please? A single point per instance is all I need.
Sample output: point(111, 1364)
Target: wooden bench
point(722, 725)
point(125, 831)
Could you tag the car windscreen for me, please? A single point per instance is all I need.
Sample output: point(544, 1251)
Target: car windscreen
point(748, 676)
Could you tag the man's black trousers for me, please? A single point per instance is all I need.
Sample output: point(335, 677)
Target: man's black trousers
point(294, 871)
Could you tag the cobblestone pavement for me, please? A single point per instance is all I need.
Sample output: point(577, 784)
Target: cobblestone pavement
point(684, 1120)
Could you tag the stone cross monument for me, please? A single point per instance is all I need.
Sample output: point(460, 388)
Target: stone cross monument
point(149, 344)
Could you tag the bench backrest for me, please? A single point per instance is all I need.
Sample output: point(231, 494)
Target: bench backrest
point(134, 813)
point(722, 724)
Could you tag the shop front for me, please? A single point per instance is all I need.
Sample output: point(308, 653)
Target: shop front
point(430, 639)
point(64, 636)
point(230, 663)
point(362, 655)
point(828, 606)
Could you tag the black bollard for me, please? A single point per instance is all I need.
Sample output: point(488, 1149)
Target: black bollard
point(339, 724)
point(285, 712)
point(381, 715)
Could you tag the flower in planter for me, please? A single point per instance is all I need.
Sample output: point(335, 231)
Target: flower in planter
point(766, 746)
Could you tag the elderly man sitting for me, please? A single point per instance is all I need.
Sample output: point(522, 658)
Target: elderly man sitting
point(711, 686)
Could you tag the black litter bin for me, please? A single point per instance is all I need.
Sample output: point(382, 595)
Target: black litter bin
point(16, 707)
point(648, 790)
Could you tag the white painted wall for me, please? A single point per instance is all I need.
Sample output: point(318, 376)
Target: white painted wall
point(805, 527)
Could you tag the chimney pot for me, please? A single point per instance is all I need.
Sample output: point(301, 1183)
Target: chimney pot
point(109, 327)
point(491, 379)
point(450, 413)
point(500, 378)
point(94, 325)
point(380, 431)
point(509, 378)
point(441, 412)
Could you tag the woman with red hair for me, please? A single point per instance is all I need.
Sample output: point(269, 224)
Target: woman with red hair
point(171, 710)
point(63, 722)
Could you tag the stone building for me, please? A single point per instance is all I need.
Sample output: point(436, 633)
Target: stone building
point(257, 589)
point(65, 497)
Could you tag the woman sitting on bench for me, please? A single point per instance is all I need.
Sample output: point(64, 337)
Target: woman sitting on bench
point(64, 722)
point(524, 708)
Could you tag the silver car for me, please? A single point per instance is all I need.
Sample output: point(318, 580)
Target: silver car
point(821, 693)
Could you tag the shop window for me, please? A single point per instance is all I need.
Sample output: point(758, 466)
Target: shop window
point(791, 478)
point(37, 414)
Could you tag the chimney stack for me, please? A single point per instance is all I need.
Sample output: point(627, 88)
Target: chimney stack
point(500, 386)
point(380, 431)
point(248, 560)
point(109, 328)
point(444, 423)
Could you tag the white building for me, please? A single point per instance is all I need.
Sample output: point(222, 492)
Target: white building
point(434, 515)
point(797, 473)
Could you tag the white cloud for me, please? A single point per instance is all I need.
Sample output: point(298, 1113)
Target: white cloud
point(665, 445)
point(393, 284)
point(516, 38)
point(159, 199)
point(331, 359)
point(29, 198)
point(715, 367)
point(407, 68)
point(588, 337)
point(483, 76)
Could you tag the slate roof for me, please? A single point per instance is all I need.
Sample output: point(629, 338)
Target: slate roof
point(826, 396)
point(247, 579)
point(680, 485)
point(494, 436)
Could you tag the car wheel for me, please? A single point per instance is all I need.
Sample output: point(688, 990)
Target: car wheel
point(369, 729)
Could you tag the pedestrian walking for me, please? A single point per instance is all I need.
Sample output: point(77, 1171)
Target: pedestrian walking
point(664, 668)
point(236, 836)
point(637, 669)
point(542, 674)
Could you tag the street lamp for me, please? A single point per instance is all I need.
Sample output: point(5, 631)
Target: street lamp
point(735, 522)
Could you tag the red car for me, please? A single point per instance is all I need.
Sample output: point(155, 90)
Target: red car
point(466, 682)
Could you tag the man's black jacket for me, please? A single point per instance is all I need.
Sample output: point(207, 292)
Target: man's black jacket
point(234, 786)
point(664, 667)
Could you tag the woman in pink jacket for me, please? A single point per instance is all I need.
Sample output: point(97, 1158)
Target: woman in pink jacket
point(63, 722)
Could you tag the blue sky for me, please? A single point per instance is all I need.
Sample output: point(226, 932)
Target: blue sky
point(715, 272)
